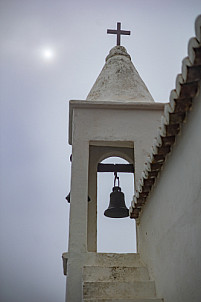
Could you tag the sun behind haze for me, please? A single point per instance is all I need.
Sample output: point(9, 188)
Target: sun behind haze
point(47, 54)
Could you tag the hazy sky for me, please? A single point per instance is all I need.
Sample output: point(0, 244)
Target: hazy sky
point(51, 52)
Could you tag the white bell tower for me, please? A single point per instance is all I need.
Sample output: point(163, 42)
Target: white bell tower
point(118, 118)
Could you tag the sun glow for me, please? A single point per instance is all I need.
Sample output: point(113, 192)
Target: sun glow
point(48, 54)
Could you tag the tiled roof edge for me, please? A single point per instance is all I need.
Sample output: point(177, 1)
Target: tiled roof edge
point(180, 102)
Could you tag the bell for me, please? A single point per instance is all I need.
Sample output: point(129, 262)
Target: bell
point(117, 207)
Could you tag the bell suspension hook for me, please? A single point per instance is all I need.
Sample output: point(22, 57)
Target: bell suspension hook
point(116, 178)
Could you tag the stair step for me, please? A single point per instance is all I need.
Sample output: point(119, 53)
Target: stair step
point(115, 273)
point(115, 290)
point(124, 300)
point(115, 259)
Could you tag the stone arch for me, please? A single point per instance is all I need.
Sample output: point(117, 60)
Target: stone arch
point(109, 240)
point(98, 152)
point(116, 153)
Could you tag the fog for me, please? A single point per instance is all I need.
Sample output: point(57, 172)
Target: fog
point(34, 92)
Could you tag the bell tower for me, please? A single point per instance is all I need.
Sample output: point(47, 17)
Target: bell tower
point(118, 118)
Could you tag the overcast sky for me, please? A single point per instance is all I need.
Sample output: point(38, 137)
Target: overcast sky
point(51, 52)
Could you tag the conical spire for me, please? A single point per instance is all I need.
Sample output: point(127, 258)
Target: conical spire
point(119, 80)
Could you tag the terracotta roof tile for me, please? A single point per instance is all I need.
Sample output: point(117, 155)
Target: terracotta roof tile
point(175, 112)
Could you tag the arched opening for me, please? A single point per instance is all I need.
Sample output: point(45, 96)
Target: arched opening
point(115, 234)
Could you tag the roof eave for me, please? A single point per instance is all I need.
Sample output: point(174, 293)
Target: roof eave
point(181, 99)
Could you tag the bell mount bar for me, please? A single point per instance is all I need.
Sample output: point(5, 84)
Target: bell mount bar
point(126, 168)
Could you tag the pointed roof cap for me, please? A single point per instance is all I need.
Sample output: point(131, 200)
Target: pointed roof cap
point(119, 80)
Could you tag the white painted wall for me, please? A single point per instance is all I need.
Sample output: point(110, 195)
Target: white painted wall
point(105, 125)
point(169, 233)
point(106, 121)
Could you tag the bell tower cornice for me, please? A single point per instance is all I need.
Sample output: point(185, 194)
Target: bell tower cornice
point(109, 105)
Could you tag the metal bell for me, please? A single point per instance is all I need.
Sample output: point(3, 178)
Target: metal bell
point(117, 207)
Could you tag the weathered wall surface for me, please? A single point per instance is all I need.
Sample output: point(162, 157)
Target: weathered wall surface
point(135, 124)
point(99, 124)
point(169, 232)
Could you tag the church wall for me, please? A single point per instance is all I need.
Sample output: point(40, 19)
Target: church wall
point(138, 126)
point(97, 125)
point(112, 124)
point(169, 229)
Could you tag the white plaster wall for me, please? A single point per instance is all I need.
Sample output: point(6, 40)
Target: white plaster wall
point(78, 226)
point(111, 124)
point(139, 126)
point(169, 233)
point(97, 125)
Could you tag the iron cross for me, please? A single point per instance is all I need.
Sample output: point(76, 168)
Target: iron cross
point(118, 32)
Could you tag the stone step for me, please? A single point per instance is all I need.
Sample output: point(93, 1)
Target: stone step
point(115, 259)
point(115, 290)
point(115, 273)
point(124, 300)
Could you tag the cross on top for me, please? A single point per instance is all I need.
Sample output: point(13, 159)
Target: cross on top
point(118, 32)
